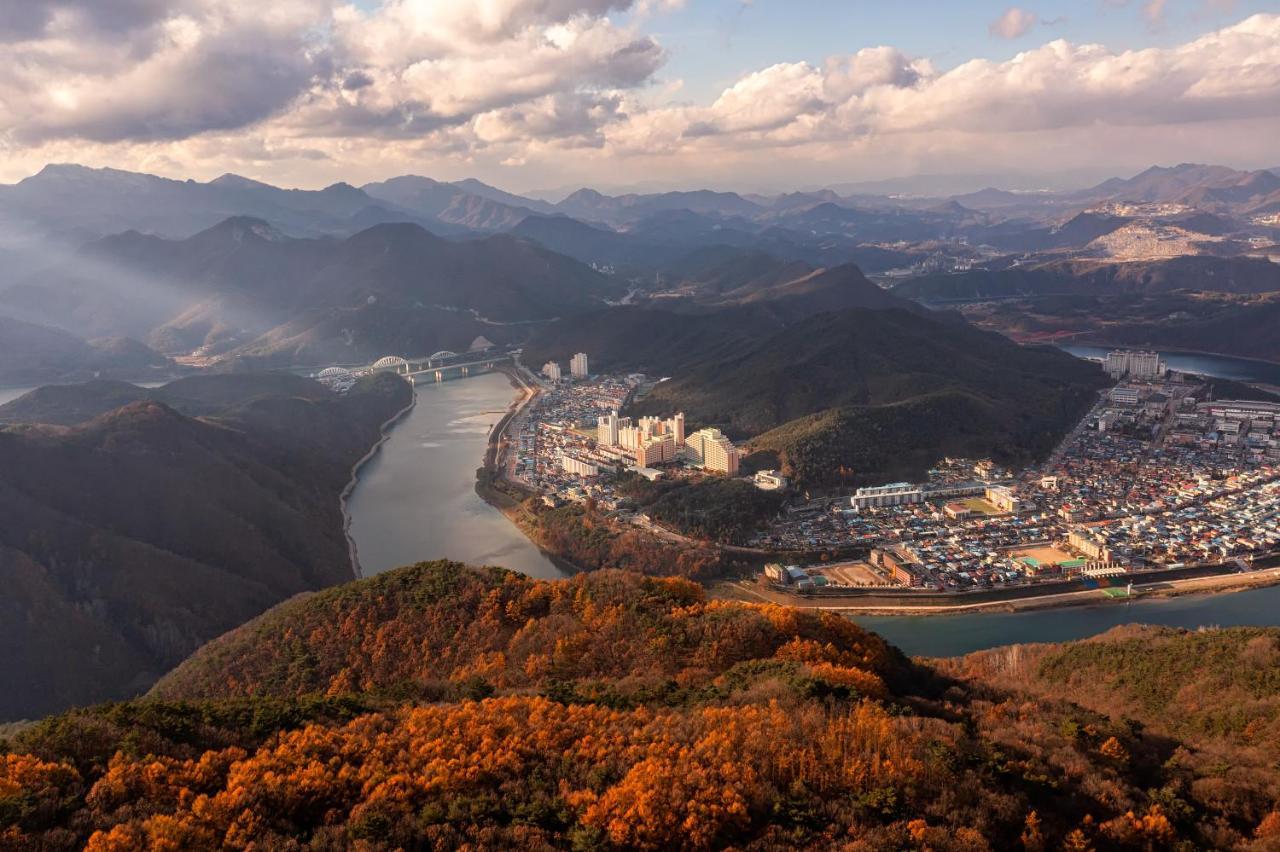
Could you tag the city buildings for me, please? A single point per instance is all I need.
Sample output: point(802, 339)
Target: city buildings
point(577, 467)
point(654, 450)
point(1003, 498)
point(607, 428)
point(551, 370)
point(1126, 363)
point(711, 450)
point(893, 494)
point(578, 366)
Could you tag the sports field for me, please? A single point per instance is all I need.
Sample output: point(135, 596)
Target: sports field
point(854, 574)
point(979, 505)
point(1043, 554)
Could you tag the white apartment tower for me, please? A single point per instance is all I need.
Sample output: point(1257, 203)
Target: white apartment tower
point(656, 450)
point(711, 450)
point(551, 370)
point(607, 430)
point(578, 366)
point(1136, 365)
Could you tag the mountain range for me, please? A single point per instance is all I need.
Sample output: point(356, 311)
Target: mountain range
point(32, 354)
point(244, 288)
point(137, 524)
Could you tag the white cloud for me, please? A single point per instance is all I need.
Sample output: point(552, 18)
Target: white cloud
point(1015, 22)
point(300, 89)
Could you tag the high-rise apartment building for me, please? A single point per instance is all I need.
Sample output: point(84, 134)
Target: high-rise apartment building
point(578, 366)
point(1135, 365)
point(660, 449)
point(607, 430)
point(711, 450)
point(551, 370)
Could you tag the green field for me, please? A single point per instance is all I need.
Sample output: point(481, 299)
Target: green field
point(980, 505)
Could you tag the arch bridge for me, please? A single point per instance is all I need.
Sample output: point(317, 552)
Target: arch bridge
point(441, 366)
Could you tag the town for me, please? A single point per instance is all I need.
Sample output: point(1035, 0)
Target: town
point(1156, 475)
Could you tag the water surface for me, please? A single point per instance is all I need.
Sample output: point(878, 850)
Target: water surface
point(1217, 366)
point(953, 635)
point(416, 499)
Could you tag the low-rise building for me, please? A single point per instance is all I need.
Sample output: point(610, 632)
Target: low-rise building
point(770, 480)
point(577, 467)
point(893, 494)
point(1004, 499)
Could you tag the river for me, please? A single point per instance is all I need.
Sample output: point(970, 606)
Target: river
point(416, 499)
point(952, 635)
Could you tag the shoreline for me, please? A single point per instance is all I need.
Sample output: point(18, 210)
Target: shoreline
point(384, 433)
point(1166, 351)
point(491, 471)
point(1166, 590)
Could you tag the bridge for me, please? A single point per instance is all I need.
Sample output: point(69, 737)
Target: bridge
point(440, 366)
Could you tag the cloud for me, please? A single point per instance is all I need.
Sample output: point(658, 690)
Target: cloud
point(140, 69)
point(301, 88)
point(1015, 22)
point(1230, 74)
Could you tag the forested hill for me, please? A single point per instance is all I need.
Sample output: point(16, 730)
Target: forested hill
point(871, 394)
point(440, 706)
point(135, 532)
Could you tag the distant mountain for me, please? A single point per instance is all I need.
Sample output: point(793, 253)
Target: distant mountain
point(1202, 186)
point(795, 293)
point(484, 190)
point(452, 204)
point(228, 286)
point(1204, 273)
point(79, 202)
point(593, 206)
point(32, 354)
point(129, 539)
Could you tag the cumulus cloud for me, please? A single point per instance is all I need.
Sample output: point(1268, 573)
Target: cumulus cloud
point(141, 69)
point(1013, 23)
point(562, 85)
point(1230, 74)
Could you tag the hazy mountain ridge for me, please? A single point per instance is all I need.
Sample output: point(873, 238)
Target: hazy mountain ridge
point(226, 287)
point(31, 354)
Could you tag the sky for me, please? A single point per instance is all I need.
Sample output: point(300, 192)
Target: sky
point(754, 95)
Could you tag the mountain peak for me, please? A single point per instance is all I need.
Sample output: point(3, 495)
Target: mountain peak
point(234, 180)
point(241, 228)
